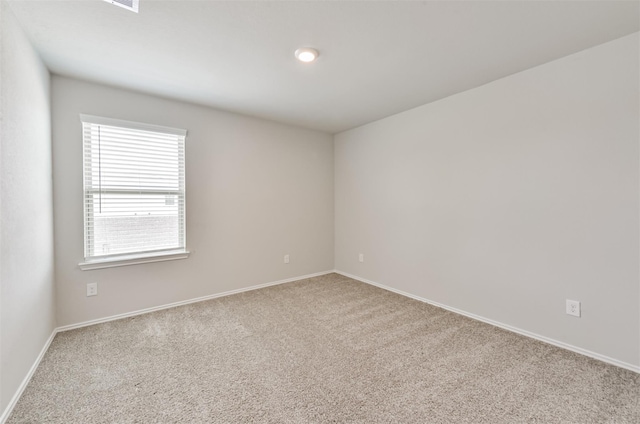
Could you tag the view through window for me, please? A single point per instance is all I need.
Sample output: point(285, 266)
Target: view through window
point(134, 188)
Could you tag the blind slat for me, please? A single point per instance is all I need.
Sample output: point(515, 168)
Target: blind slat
point(134, 183)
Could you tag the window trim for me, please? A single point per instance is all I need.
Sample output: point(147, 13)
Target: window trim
point(99, 120)
point(133, 258)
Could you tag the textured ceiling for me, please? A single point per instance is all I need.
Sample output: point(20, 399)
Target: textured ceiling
point(376, 58)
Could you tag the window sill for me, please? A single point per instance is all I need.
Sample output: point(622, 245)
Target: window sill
point(133, 260)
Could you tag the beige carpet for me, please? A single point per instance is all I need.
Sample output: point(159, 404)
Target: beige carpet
point(326, 349)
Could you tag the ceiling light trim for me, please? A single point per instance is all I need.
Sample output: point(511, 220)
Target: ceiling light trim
point(306, 54)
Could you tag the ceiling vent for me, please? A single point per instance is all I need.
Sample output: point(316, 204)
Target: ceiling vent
point(131, 5)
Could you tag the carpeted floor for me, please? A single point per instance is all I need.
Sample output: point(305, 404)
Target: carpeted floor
point(326, 349)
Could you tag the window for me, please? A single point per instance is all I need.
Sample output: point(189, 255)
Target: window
point(134, 193)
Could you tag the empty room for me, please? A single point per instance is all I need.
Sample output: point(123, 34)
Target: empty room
point(319, 211)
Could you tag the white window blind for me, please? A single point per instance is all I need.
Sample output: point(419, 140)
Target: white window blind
point(134, 189)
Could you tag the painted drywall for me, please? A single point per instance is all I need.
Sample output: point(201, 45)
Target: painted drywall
point(27, 316)
point(256, 190)
point(505, 200)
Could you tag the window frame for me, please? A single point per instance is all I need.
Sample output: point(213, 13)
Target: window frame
point(132, 258)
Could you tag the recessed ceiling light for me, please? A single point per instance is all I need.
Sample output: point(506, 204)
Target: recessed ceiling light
point(306, 54)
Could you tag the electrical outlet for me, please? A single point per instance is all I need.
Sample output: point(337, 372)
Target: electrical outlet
point(286, 259)
point(92, 289)
point(573, 308)
point(361, 257)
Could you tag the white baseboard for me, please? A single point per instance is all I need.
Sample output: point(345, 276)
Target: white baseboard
point(526, 333)
point(186, 302)
point(27, 378)
point(14, 400)
point(7, 412)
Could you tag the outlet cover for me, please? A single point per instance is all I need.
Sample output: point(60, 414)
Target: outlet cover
point(92, 289)
point(573, 308)
point(361, 257)
point(286, 259)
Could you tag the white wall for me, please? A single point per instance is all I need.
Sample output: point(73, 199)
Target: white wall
point(505, 200)
point(27, 316)
point(256, 190)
